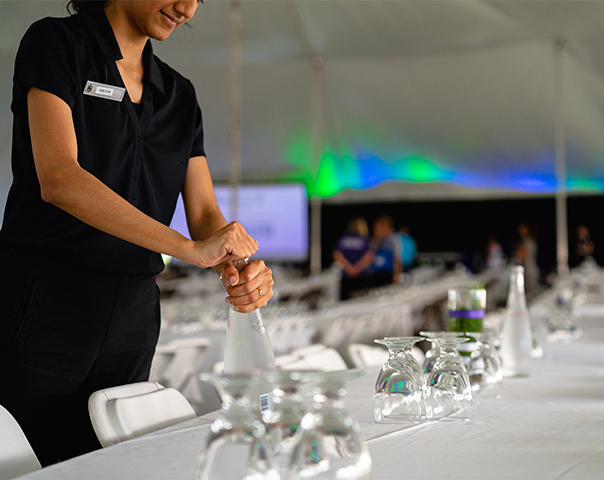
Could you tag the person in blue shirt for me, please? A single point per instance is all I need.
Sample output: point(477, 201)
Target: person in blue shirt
point(387, 264)
point(408, 247)
point(353, 253)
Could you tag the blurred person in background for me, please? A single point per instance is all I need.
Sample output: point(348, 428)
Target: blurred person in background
point(353, 253)
point(526, 255)
point(387, 263)
point(495, 258)
point(584, 246)
point(407, 246)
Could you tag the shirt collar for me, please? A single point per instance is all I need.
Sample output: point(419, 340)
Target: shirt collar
point(100, 28)
point(152, 71)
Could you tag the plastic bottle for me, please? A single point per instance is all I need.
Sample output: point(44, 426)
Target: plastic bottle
point(517, 338)
point(248, 348)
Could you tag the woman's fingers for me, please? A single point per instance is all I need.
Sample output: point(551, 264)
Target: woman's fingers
point(235, 242)
point(230, 276)
point(231, 242)
point(254, 289)
point(254, 300)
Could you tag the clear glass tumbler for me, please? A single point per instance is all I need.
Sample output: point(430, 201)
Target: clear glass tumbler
point(237, 446)
point(484, 368)
point(433, 352)
point(449, 393)
point(399, 389)
point(329, 444)
point(283, 418)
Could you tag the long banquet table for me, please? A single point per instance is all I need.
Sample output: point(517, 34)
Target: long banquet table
point(547, 426)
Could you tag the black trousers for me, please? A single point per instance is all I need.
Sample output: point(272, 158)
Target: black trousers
point(66, 332)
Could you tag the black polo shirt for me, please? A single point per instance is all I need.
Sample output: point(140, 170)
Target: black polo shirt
point(144, 159)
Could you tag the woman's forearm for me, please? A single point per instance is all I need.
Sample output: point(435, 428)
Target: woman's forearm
point(82, 195)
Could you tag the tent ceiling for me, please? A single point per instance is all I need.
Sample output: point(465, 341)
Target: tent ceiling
point(416, 92)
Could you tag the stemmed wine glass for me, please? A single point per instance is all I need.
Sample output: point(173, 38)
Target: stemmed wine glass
point(329, 444)
point(237, 446)
point(399, 389)
point(449, 393)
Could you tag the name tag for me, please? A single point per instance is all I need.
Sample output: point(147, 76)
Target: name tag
point(110, 92)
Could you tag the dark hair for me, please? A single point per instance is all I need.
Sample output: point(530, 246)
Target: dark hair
point(79, 6)
point(386, 219)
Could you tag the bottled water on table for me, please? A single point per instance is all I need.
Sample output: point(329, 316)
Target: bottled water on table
point(248, 348)
point(517, 338)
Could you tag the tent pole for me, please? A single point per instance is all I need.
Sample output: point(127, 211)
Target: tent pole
point(560, 146)
point(316, 140)
point(235, 107)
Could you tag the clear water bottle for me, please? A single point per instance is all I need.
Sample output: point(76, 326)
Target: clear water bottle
point(517, 338)
point(248, 348)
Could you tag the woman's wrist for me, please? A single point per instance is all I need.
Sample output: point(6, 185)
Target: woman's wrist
point(187, 250)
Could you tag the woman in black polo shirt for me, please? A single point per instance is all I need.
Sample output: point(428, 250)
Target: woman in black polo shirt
point(105, 137)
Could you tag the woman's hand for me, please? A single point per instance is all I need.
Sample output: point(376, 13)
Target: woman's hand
point(250, 289)
point(231, 242)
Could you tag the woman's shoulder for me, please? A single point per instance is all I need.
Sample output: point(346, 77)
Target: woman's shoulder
point(50, 29)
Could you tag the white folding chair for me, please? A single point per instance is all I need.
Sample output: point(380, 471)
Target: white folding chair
point(181, 371)
point(308, 350)
point(327, 359)
point(296, 364)
point(129, 411)
point(188, 354)
point(16, 456)
point(363, 355)
point(164, 354)
point(281, 360)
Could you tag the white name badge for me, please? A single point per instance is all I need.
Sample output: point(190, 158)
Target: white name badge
point(110, 92)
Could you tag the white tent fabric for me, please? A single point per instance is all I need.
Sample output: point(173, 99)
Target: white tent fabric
point(423, 94)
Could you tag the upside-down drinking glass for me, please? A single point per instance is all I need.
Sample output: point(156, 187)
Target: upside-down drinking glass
point(433, 352)
point(399, 389)
point(283, 418)
point(329, 444)
point(449, 393)
point(484, 367)
point(237, 446)
point(560, 318)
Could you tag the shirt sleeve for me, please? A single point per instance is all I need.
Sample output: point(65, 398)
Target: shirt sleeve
point(45, 60)
point(197, 149)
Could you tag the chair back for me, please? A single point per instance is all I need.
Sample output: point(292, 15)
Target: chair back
point(363, 355)
point(188, 354)
point(128, 411)
point(326, 359)
point(16, 455)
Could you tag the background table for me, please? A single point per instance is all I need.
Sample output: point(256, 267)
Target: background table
point(549, 425)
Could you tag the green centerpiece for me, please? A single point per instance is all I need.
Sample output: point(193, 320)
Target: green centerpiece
point(466, 308)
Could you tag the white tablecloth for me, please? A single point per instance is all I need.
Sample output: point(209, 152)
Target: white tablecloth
point(547, 426)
